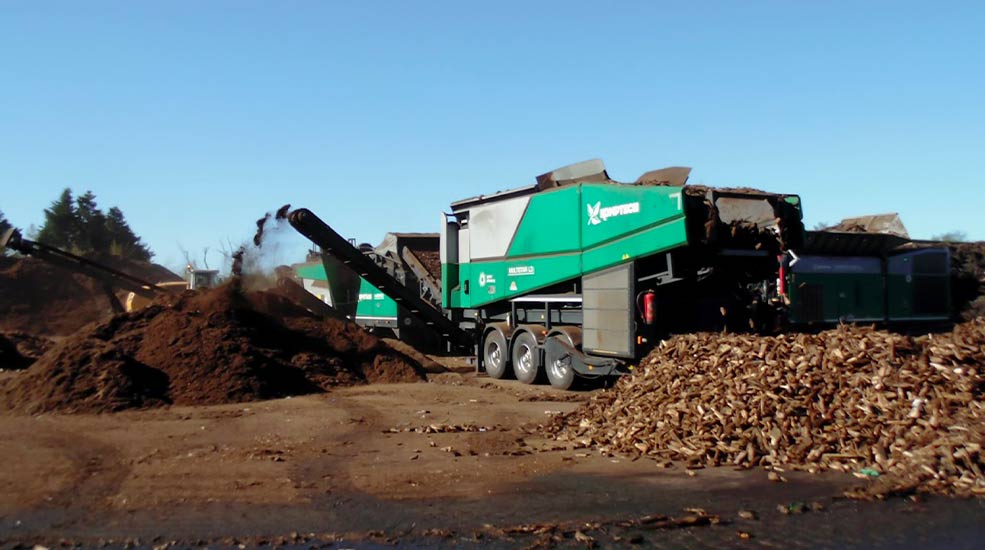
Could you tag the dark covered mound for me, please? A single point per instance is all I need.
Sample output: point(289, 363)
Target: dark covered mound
point(968, 279)
point(19, 350)
point(40, 298)
point(431, 259)
point(210, 347)
point(86, 375)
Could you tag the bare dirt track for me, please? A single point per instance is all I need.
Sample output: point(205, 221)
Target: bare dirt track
point(457, 462)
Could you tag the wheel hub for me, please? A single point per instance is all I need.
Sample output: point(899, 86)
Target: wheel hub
point(495, 354)
point(526, 359)
point(558, 369)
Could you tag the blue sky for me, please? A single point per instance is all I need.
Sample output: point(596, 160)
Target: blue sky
point(197, 117)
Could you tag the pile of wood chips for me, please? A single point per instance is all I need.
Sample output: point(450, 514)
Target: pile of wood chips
point(855, 399)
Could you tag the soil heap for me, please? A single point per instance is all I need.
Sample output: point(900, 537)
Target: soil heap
point(207, 347)
point(851, 399)
point(43, 299)
point(19, 350)
point(40, 298)
point(968, 278)
point(431, 260)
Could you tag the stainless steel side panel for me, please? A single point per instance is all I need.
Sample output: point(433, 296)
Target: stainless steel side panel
point(609, 312)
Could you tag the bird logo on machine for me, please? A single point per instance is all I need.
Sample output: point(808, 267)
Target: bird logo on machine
point(593, 213)
point(597, 214)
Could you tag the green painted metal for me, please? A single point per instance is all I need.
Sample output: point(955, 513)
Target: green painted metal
point(652, 240)
point(374, 304)
point(612, 212)
point(909, 286)
point(901, 305)
point(449, 297)
point(571, 231)
point(550, 225)
point(496, 280)
point(314, 271)
point(831, 289)
point(371, 302)
point(911, 300)
point(848, 297)
point(462, 294)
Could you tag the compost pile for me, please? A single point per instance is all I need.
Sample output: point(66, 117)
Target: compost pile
point(968, 278)
point(431, 260)
point(42, 298)
point(218, 346)
point(39, 297)
point(852, 399)
point(19, 350)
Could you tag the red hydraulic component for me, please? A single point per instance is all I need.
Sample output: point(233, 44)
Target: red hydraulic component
point(781, 281)
point(649, 307)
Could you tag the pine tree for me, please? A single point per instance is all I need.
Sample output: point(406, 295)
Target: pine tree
point(122, 240)
point(93, 234)
point(4, 225)
point(60, 228)
point(80, 227)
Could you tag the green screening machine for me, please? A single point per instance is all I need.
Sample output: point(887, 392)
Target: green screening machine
point(578, 276)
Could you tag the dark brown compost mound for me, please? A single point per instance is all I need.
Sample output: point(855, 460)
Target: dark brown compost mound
point(208, 347)
point(431, 260)
point(40, 298)
point(19, 350)
point(855, 399)
point(968, 278)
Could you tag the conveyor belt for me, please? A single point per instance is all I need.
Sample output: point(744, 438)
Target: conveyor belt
point(318, 232)
point(103, 273)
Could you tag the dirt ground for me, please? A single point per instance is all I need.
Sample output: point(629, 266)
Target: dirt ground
point(357, 468)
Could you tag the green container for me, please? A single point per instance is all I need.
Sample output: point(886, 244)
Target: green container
point(374, 306)
point(365, 303)
point(831, 289)
point(919, 285)
point(909, 286)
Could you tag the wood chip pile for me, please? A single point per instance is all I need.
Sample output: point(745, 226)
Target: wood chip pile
point(852, 399)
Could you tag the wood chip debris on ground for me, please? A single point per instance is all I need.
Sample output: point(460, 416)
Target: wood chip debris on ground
point(908, 410)
point(552, 534)
point(444, 428)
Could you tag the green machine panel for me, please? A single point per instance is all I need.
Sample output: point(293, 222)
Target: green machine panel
point(367, 303)
point(611, 212)
point(569, 231)
point(550, 224)
point(831, 289)
point(497, 280)
point(373, 304)
point(654, 239)
point(919, 285)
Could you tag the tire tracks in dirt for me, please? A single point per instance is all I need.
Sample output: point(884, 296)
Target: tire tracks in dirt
point(95, 473)
point(330, 468)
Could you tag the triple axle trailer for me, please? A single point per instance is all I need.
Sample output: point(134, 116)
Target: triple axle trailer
point(579, 276)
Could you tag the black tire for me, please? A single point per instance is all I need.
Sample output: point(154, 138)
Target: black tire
point(526, 358)
point(559, 372)
point(495, 355)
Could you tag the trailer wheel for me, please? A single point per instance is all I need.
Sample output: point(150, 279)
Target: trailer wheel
point(495, 355)
point(558, 367)
point(526, 358)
